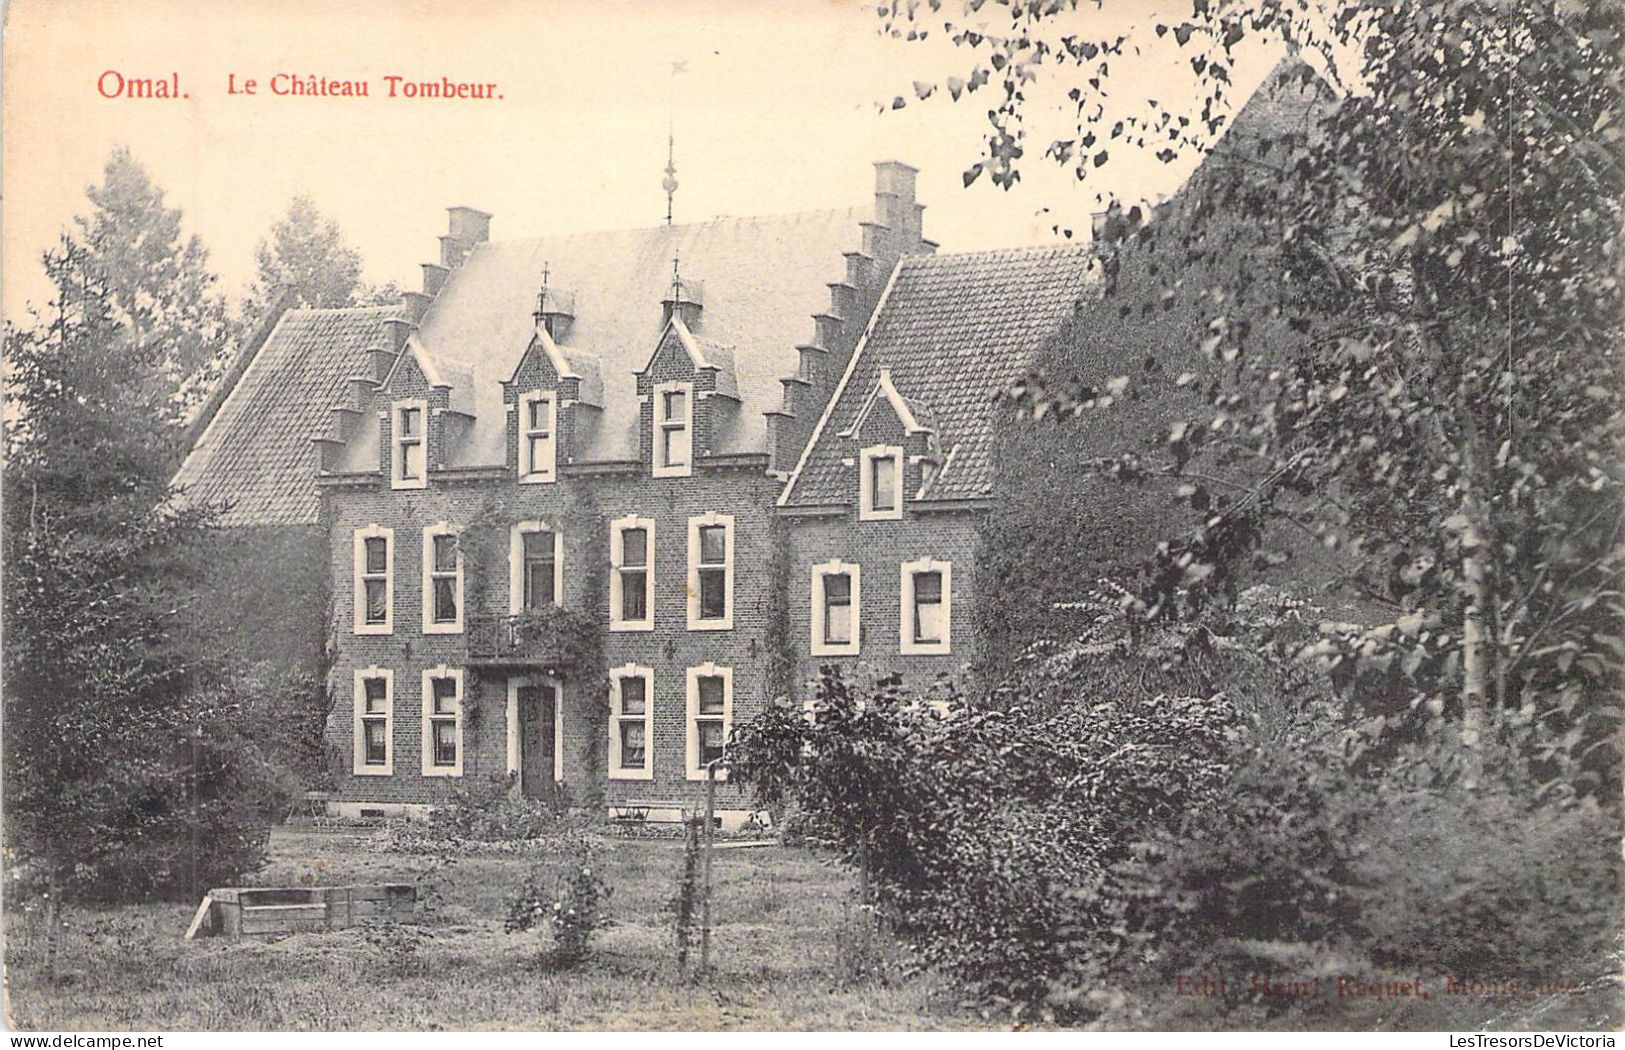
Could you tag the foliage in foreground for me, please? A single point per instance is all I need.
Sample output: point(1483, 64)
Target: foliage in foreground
point(125, 774)
point(1429, 240)
point(1113, 818)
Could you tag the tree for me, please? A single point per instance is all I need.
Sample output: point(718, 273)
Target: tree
point(120, 775)
point(156, 283)
point(305, 256)
point(1443, 245)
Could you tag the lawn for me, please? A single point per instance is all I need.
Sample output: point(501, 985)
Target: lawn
point(787, 954)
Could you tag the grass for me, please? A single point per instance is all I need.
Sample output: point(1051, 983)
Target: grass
point(789, 953)
point(784, 956)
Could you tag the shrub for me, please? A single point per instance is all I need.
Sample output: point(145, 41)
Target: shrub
point(972, 818)
point(488, 809)
point(571, 907)
point(1316, 855)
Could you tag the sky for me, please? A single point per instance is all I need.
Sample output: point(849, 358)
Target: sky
point(779, 110)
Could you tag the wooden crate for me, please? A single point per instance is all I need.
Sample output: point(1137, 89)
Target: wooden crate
point(249, 911)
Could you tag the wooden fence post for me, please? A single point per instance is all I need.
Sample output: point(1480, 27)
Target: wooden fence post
point(705, 866)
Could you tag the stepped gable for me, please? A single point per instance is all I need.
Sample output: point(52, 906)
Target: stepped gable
point(951, 332)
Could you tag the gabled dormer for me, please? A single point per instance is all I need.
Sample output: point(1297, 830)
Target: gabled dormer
point(417, 420)
point(894, 447)
point(688, 395)
point(553, 397)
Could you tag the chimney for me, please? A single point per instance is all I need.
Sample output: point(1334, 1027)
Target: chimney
point(896, 207)
point(468, 227)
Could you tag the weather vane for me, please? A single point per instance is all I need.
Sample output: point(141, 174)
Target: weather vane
point(670, 181)
point(541, 294)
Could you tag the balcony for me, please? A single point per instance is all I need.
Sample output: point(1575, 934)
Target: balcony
point(551, 639)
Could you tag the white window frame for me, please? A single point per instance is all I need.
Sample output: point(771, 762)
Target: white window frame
point(820, 645)
point(866, 486)
point(358, 749)
point(616, 676)
point(429, 625)
point(691, 724)
point(726, 622)
point(532, 473)
point(427, 732)
point(616, 528)
point(905, 612)
point(359, 557)
point(661, 424)
point(396, 459)
point(516, 564)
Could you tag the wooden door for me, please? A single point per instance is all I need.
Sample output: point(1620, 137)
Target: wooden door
point(536, 704)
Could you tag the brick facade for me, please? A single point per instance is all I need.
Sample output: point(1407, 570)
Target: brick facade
point(880, 549)
point(599, 325)
point(580, 505)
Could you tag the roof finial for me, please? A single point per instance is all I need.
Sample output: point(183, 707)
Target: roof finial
point(676, 281)
point(669, 183)
point(541, 295)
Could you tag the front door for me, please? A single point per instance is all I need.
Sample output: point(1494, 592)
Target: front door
point(536, 714)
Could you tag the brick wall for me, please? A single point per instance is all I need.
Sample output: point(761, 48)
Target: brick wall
point(580, 505)
point(880, 548)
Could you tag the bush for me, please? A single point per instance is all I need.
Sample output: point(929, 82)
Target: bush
point(1316, 860)
point(974, 819)
point(482, 815)
point(491, 810)
point(571, 907)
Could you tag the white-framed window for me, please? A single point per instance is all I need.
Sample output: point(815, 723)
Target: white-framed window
point(926, 615)
point(880, 483)
point(373, 754)
point(538, 437)
point(631, 574)
point(535, 567)
point(710, 716)
point(442, 580)
point(631, 723)
point(836, 594)
point(443, 722)
point(673, 430)
point(711, 572)
point(409, 445)
point(374, 557)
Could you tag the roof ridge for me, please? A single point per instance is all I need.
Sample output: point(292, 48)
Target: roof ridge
point(330, 310)
point(718, 220)
point(1015, 251)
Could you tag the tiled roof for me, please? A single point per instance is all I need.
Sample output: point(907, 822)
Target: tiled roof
point(765, 279)
point(256, 453)
point(951, 333)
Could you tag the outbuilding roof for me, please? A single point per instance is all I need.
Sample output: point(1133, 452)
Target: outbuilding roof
point(255, 456)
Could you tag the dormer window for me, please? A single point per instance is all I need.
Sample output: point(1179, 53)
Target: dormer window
point(880, 483)
point(674, 430)
point(538, 444)
point(409, 460)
